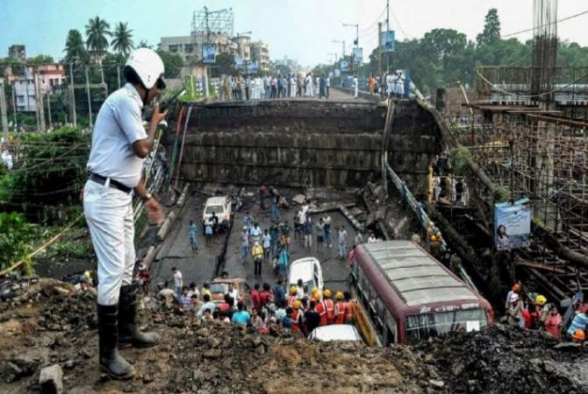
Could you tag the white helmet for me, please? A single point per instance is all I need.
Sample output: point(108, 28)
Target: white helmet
point(148, 66)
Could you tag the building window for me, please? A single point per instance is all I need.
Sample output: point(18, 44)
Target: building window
point(173, 48)
point(189, 48)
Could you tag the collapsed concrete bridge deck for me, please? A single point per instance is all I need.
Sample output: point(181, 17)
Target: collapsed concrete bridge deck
point(306, 143)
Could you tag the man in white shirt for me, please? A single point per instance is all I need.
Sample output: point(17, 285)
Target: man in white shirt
point(178, 281)
point(119, 147)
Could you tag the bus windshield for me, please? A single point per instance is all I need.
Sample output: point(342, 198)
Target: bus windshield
point(420, 327)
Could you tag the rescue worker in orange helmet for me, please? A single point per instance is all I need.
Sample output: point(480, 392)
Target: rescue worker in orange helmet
point(320, 308)
point(340, 309)
point(349, 309)
point(329, 306)
point(296, 315)
point(292, 297)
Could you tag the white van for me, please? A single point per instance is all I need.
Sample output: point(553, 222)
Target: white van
point(335, 332)
point(309, 270)
point(221, 206)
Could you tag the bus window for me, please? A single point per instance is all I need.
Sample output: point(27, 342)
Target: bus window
point(420, 327)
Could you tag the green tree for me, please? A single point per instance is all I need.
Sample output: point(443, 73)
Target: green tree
point(16, 237)
point(144, 44)
point(491, 31)
point(173, 64)
point(40, 60)
point(122, 42)
point(96, 32)
point(74, 47)
point(224, 65)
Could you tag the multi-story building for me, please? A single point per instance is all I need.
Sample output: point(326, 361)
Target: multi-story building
point(260, 55)
point(49, 76)
point(25, 94)
point(243, 47)
point(189, 48)
point(17, 52)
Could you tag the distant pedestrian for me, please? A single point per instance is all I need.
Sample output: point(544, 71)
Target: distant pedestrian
point(307, 230)
point(279, 294)
point(275, 238)
point(255, 297)
point(328, 86)
point(328, 230)
point(244, 244)
point(178, 282)
point(312, 319)
point(208, 230)
point(283, 262)
point(257, 252)
point(275, 208)
point(297, 228)
point(248, 222)
point(256, 233)
point(241, 317)
point(192, 235)
point(267, 245)
point(342, 242)
point(320, 235)
point(262, 196)
point(285, 236)
point(355, 87)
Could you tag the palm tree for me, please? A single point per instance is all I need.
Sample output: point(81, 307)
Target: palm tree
point(96, 33)
point(74, 47)
point(144, 44)
point(122, 41)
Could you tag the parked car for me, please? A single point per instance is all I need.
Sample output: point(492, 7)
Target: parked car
point(221, 207)
point(309, 270)
point(219, 287)
point(335, 332)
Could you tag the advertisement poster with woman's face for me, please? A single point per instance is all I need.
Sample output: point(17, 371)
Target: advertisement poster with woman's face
point(512, 226)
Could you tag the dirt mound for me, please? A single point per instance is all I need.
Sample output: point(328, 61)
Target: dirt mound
point(507, 360)
point(48, 323)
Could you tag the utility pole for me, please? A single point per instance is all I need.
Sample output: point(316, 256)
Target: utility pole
point(387, 30)
point(118, 74)
point(89, 98)
point(3, 111)
point(379, 50)
point(49, 108)
point(14, 105)
point(73, 95)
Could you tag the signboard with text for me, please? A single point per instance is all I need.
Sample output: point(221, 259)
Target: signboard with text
point(208, 53)
point(357, 56)
point(388, 41)
point(512, 225)
point(344, 65)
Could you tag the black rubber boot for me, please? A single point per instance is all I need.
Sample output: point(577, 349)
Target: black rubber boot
point(110, 361)
point(128, 333)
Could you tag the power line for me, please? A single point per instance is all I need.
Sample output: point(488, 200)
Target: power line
point(547, 24)
point(375, 22)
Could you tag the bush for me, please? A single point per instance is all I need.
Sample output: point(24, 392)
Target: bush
point(459, 158)
point(16, 237)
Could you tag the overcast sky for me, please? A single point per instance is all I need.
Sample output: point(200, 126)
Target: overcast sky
point(299, 29)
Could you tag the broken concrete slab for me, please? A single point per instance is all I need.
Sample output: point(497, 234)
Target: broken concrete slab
point(299, 199)
point(51, 380)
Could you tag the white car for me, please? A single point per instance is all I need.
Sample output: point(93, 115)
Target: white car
point(221, 207)
point(335, 332)
point(309, 270)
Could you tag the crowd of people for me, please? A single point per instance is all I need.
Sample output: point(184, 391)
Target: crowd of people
point(390, 84)
point(533, 311)
point(299, 309)
point(232, 88)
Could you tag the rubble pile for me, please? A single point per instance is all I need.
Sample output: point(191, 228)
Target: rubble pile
point(505, 359)
point(49, 339)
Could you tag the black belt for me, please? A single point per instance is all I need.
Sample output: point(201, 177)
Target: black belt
point(114, 184)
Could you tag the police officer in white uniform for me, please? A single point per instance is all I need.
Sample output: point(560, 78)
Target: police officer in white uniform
point(119, 146)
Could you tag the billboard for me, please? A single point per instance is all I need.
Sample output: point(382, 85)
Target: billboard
point(357, 55)
point(252, 68)
point(344, 65)
point(388, 41)
point(337, 72)
point(208, 53)
point(238, 61)
point(512, 225)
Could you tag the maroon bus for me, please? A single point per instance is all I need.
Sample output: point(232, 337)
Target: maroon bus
point(411, 296)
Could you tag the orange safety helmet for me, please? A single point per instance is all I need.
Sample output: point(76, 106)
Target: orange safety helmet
point(297, 304)
point(579, 335)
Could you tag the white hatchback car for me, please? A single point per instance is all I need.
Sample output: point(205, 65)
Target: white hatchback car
point(336, 332)
point(221, 207)
point(309, 270)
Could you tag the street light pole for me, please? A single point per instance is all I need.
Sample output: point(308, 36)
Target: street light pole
point(356, 25)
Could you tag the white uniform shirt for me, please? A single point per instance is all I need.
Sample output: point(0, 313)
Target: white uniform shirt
point(117, 127)
point(178, 282)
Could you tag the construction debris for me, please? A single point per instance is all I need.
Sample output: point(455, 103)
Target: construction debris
point(56, 330)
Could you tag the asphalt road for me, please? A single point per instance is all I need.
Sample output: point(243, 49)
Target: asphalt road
point(199, 266)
